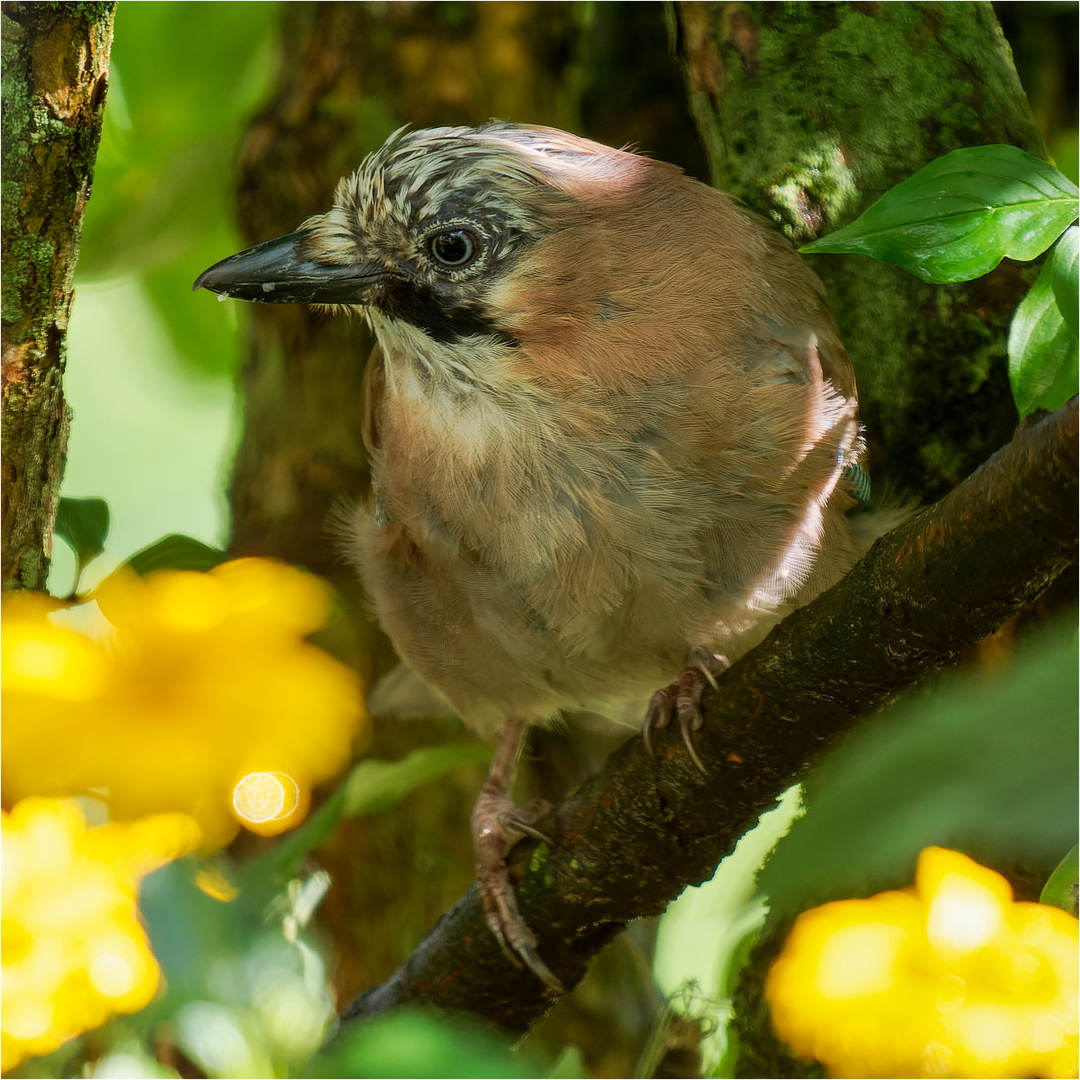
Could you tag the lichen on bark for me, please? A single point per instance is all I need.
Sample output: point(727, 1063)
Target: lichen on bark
point(55, 76)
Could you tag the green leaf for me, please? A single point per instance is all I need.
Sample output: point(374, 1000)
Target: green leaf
point(958, 217)
point(176, 552)
point(261, 877)
point(374, 786)
point(1042, 349)
point(705, 935)
point(409, 1042)
point(187, 926)
point(700, 931)
point(84, 525)
point(1065, 278)
point(1061, 888)
point(983, 765)
point(569, 1064)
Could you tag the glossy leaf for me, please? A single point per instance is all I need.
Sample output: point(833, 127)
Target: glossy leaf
point(84, 525)
point(176, 552)
point(958, 217)
point(1065, 278)
point(1042, 349)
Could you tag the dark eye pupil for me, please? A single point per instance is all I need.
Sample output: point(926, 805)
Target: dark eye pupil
point(453, 248)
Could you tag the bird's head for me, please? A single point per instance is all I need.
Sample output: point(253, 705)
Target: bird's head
point(429, 224)
point(571, 260)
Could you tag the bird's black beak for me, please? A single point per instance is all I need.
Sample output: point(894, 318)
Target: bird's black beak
point(281, 272)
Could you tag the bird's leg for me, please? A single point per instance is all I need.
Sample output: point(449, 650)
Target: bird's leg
point(497, 824)
point(682, 699)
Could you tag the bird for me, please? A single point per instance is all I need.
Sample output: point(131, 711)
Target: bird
point(612, 429)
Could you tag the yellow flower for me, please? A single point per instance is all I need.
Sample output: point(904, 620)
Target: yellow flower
point(74, 953)
point(951, 978)
point(205, 698)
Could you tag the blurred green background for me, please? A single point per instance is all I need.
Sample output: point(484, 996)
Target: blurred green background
point(150, 363)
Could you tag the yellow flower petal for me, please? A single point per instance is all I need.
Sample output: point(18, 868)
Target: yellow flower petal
point(74, 952)
point(950, 979)
point(41, 658)
point(206, 679)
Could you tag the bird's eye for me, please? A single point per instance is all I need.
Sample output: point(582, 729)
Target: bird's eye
point(454, 249)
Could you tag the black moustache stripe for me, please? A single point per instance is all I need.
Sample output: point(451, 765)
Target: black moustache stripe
point(438, 317)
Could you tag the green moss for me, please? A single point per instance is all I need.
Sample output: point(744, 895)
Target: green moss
point(539, 858)
point(898, 85)
point(29, 262)
point(817, 177)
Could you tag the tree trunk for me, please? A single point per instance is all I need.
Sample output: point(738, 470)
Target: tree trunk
point(809, 113)
point(55, 76)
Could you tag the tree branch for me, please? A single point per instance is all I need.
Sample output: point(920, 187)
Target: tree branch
point(631, 837)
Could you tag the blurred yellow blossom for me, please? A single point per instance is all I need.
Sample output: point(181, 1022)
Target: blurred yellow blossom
point(74, 952)
point(950, 978)
point(204, 682)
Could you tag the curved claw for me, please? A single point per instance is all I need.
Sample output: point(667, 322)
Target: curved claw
point(690, 748)
point(516, 941)
point(683, 699)
point(513, 824)
point(710, 664)
point(709, 675)
point(540, 969)
point(504, 947)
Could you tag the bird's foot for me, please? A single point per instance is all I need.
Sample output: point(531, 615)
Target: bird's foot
point(681, 699)
point(497, 824)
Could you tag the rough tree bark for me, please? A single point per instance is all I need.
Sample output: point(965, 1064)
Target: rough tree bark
point(55, 76)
